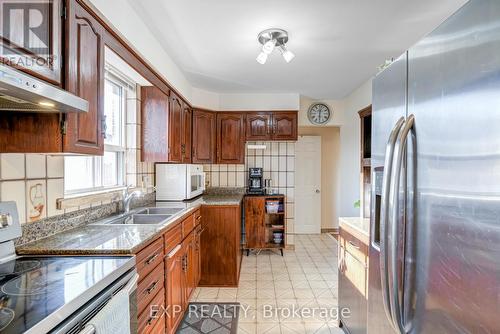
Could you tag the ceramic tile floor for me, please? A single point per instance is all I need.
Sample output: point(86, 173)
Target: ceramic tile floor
point(273, 287)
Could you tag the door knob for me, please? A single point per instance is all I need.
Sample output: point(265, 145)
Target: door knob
point(317, 191)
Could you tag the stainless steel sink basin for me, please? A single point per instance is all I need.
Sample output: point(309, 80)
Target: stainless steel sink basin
point(138, 219)
point(160, 211)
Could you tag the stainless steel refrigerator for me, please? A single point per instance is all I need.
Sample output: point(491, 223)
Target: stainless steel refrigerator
point(434, 261)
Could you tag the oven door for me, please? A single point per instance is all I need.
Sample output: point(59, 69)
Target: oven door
point(195, 181)
point(76, 323)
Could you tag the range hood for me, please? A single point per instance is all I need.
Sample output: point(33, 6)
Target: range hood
point(24, 93)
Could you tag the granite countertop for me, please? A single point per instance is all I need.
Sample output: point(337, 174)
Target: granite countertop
point(358, 226)
point(94, 239)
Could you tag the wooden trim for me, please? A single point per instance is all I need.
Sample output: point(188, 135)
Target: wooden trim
point(334, 230)
point(118, 43)
point(365, 111)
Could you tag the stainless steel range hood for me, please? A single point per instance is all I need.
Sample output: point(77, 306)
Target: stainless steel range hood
point(24, 93)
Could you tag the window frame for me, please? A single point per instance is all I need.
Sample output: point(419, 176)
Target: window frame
point(115, 77)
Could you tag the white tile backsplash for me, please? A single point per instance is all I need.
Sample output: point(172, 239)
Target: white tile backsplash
point(12, 166)
point(36, 199)
point(278, 161)
point(55, 166)
point(35, 166)
point(55, 189)
point(15, 191)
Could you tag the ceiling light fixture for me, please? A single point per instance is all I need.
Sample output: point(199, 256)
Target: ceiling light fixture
point(271, 39)
point(287, 54)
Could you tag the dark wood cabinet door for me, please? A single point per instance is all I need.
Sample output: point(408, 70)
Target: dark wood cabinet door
point(33, 46)
point(285, 125)
point(230, 138)
point(255, 230)
point(204, 135)
point(221, 246)
point(258, 125)
point(175, 288)
point(154, 114)
point(85, 78)
point(187, 122)
point(175, 115)
point(190, 269)
point(197, 259)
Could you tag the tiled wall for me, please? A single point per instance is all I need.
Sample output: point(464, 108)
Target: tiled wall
point(140, 174)
point(36, 181)
point(278, 162)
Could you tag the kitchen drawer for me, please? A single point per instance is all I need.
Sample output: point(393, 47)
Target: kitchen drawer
point(352, 293)
point(173, 237)
point(197, 217)
point(148, 320)
point(160, 328)
point(150, 257)
point(354, 246)
point(149, 286)
point(188, 225)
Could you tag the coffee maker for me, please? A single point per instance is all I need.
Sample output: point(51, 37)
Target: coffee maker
point(255, 181)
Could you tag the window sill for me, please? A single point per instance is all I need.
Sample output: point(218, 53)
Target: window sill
point(81, 199)
point(71, 195)
point(100, 197)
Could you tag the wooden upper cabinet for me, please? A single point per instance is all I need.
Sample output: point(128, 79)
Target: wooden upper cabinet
point(37, 50)
point(231, 138)
point(154, 111)
point(175, 128)
point(271, 125)
point(285, 125)
point(258, 125)
point(85, 78)
point(204, 136)
point(187, 123)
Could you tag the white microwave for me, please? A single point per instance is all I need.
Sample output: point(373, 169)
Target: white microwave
point(179, 182)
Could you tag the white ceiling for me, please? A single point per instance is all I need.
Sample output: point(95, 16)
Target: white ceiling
point(338, 43)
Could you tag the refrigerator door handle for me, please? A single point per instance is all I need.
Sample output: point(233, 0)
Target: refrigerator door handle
point(384, 206)
point(394, 300)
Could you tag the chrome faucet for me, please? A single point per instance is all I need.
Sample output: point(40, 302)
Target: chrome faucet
point(127, 198)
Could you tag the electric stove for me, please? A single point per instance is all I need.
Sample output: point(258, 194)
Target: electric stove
point(38, 293)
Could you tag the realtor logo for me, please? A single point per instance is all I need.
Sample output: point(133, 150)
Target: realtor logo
point(26, 27)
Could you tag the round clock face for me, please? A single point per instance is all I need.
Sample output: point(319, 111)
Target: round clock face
point(319, 113)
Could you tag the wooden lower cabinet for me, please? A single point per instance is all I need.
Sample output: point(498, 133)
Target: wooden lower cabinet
point(203, 248)
point(221, 248)
point(174, 288)
point(353, 283)
point(149, 317)
point(182, 268)
point(150, 288)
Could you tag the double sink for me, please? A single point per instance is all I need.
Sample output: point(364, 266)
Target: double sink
point(145, 216)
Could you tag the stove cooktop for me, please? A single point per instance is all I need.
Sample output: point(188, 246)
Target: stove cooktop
point(34, 288)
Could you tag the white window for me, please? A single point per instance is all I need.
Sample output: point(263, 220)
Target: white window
point(84, 174)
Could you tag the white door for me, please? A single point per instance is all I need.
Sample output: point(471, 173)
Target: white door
point(307, 185)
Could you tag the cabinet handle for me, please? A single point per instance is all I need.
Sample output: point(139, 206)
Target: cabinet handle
point(353, 244)
point(152, 317)
point(173, 251)
point(104, 126)
point(152, 287)
point(151, 258)
point(184, 263)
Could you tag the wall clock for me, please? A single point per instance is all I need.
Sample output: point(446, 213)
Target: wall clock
point(319, 113)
